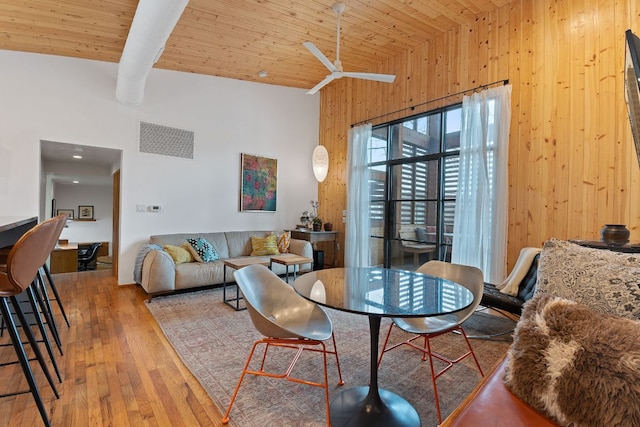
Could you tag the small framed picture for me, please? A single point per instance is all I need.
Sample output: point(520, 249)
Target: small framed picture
point(68, 212)
point(85, 212)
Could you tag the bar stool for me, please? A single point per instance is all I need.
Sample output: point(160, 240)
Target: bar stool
point(41, 293)
point(23, 262)
point(41, 288)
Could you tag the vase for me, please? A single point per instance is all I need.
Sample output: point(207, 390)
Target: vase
point(316, 226)
point(328, 226)
point(615, 234)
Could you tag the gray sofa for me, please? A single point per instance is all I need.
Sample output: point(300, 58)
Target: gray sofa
point(160, 274)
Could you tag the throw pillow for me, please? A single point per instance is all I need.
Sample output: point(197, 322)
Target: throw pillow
point(575, 365)
point(202, 250)
point(178, 253)
point(264, 246)
point(606, 281)
point(283, 241)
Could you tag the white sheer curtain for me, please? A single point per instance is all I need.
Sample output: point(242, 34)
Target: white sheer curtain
point(480, 222)
point(357, 244)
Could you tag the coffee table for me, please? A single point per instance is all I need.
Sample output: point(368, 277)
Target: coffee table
point(287, 260)
point(237, 264)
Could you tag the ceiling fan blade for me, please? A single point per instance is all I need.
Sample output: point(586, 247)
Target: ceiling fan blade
point(323, 83)
point(386, 78)
point(316, 52)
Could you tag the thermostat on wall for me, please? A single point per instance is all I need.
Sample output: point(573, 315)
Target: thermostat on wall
point(154, 208)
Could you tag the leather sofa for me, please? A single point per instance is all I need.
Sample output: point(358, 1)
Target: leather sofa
point(161, 275)
point(570, 349)
point(492, 297)
point(492, 404)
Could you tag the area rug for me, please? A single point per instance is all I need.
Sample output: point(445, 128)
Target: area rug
point(214, 341)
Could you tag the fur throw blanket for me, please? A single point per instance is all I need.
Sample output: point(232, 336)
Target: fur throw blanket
point(577, 366)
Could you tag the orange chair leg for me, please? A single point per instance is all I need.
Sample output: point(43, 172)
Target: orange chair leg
point(426, 350)
point(225, 419)
point(335, 352)
point(300, 345)
point(433, 379)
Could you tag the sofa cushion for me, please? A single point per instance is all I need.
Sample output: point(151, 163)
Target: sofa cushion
point(239, 242)
point(577, 366)
point(179, 254)
point(197, 274)
point(606, 281)
point(202, 250)
point(264, 245)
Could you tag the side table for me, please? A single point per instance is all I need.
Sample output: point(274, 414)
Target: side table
point(318, 236)
point(237, 264)
point(287, 260)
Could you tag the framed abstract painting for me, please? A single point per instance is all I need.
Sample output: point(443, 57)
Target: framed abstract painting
point(259, 183)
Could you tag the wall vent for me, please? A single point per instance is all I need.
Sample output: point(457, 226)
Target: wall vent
point(166, 141)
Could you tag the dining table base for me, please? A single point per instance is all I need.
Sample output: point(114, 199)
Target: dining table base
point(362, 406)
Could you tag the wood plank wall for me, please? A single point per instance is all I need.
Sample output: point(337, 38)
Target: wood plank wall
point(572, 163)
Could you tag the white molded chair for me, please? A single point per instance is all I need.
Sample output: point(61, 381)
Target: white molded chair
point(285, 319)
point(431, 327)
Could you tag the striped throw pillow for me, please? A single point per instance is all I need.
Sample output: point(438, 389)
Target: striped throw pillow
point(264, 246)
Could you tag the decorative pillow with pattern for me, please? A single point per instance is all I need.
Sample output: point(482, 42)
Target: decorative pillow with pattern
point(606, 281)
point(262, 246)
point(179, 254)
point(577, 366)
point(202, 250)
point(283, 241)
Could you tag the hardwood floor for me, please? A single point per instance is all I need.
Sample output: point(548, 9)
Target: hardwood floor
point(117, 369)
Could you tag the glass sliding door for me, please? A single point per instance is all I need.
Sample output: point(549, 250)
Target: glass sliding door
point(413, 183)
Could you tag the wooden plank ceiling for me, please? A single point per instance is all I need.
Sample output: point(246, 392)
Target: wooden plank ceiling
point(239, 38)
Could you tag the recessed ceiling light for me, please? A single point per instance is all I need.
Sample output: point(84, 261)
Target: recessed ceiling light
point(76, 181)
point(262, 73)
point(76, 156)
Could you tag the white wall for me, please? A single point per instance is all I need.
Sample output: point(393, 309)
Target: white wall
point(71, 100)
point(69, 196)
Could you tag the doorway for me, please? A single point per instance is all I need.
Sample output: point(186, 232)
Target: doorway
point(413, 184)
point(80, 181)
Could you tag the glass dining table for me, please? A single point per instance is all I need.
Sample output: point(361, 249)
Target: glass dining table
point(377, 293)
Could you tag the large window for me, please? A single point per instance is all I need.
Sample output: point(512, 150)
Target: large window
point(414, 176)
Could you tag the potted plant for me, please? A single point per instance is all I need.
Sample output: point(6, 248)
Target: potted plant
point(317, 223)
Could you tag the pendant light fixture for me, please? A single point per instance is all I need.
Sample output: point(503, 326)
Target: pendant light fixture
point(320, 162)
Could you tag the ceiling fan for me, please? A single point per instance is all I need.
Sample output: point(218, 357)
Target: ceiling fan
point(336, 66)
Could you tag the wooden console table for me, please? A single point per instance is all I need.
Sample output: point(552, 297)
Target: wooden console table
point(318, 236)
